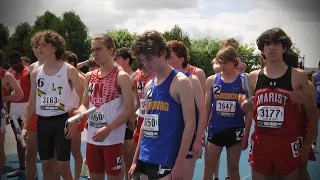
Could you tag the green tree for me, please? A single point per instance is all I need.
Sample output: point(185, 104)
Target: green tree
point(4, 35)
point(176, 33)
point(48, 21)
point(202, 51)
point(123, 37)
point(248, 56)
point(75, 33)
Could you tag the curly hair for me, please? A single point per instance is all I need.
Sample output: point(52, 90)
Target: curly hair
point(181, 50)
point(150, 43)
point(274, 35)
point(125, 54)
point(291, 59)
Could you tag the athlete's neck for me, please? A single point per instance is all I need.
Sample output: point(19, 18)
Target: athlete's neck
point(275, 68)
point(187, 68)
point(229, 76)
point(106, 68)
point(128, 69)
point(163, 73)
point(183, 70)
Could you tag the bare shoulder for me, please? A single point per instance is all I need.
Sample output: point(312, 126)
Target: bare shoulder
point(211, 78)
point(193, 78)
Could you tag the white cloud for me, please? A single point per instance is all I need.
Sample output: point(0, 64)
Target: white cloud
point(219, 19)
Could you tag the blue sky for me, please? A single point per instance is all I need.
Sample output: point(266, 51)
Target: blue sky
point(244, 20)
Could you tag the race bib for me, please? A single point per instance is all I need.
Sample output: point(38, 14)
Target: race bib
point(226, 108)
point(143, 106)
point(295, 149)
point(270, 116)
point(318, 88)
point(151, 126)
point(300, 142)
point(98, 119)
point(50, 102)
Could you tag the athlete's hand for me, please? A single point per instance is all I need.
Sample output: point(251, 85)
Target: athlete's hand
point(71, 129)
point(197, 149)
point(23, 133)
point(132, 170)
point(247, 105)
point(177, 171)
point(244, 143)
point(101, 134)
point(77, 112)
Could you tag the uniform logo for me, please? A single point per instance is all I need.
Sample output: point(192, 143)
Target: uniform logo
point(273, 83)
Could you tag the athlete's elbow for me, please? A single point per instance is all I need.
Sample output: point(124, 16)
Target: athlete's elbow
point(20, 95)
point(190, 125)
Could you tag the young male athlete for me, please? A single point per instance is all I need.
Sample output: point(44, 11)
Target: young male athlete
point(109, 89)
point(72, 59)
point(165, 135)
point(51, 87)
point(18, 108)
point(226, 127)
point(8, 82)
point(125, 60)
point(274, 148)
point(179, 55)
point(315, 78)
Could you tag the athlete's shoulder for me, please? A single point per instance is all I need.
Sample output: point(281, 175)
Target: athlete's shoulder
point(254, 73)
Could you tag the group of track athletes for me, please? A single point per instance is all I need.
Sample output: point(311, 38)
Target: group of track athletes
point(151, 123)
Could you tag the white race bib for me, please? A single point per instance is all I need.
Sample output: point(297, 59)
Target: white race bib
point(270, 116)
point(143, 106)
point(226, 108)
point(50, 102)
point(98, 119)
point(151, 126)
point(318, 88)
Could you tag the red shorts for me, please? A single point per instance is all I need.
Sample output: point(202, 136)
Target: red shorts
point(33, 123)
point(80, 126)
point(312, 156)
point(137, 131)
point(273, 154)
point(104, 159)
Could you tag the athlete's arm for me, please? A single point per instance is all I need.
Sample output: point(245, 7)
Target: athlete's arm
point(85, 98)
point(184, 90)
point(73, 76)
point(125, 85)
point(309, 108)
point(313, 79)
point(200, 103)
point(208, 96)
point(13, 84)
point(31, 106)
point(202, 78)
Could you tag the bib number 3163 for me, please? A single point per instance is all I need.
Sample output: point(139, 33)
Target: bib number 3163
point(151, 125)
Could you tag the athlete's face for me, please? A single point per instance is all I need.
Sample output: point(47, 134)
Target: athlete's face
point(122, 62)
point(226, 66)
point(273, 51)
point(45, 50)
point(216, 66)
point(153, 63)
point(175, 61)
point(35, 50)
point(100, 52)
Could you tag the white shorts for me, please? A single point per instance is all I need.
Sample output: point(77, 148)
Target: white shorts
point(18, 109)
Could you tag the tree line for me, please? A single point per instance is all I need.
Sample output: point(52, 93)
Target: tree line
point(75, 32)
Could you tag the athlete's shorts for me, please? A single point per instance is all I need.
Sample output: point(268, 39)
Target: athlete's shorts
point(33, 123)
point(318, 105)
point(227, 138)
point(137, 131)
point(153, 171)
point(128, 134)
point(51, 137)
point(18, 109)
point(273, 154)
point(104, 159)
point(3, 121)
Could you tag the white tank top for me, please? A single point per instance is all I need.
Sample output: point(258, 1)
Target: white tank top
point(53, 93)
point(105, 96)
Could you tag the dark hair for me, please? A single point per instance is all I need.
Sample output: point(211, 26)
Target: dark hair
point(70, 57)
point(56, 40)
point(125, 54)
point(274, 35)
point(181, 51)
point(291, 59)
point(150, 43)
point(2, 59)
point(14, 57)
